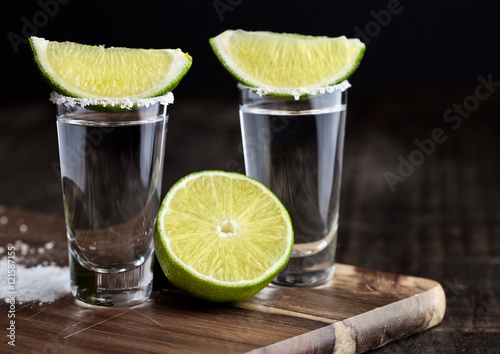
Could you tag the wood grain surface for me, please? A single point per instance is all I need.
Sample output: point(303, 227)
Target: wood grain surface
point(441, 222)
point(358, 310)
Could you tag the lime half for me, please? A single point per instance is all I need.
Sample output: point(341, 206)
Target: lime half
point(222, 236)
point(284, 61)
point(86, 71)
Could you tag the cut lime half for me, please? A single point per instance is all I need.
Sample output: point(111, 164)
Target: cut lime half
point(283, 61)
point(222, 236)
point(96, 72)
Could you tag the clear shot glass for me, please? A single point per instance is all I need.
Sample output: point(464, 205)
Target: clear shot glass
point(111, 164)
point(295, 146)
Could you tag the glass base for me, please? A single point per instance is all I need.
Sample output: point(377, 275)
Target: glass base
point(112, 289)
point(305, 278)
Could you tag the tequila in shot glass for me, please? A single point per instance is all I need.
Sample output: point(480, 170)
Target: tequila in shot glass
point(111, 171)
point(294, 146)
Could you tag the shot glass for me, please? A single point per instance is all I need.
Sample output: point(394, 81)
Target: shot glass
point(111, 171)
point(294, 146)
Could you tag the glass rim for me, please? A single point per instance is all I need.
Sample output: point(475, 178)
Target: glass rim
point(124, 103)
point(298, 92)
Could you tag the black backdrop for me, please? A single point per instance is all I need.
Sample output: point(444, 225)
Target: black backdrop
point(409, 42)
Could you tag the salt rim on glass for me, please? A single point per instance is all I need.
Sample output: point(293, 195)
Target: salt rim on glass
point(298, 92)
point(124, 103)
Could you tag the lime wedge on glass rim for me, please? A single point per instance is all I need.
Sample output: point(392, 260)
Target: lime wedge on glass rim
point(96, 72)
point(284, 61)
point(222, 236)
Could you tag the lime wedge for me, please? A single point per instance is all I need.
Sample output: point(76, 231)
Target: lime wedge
point(222, 236)
point(287, 61)
point(86, 71)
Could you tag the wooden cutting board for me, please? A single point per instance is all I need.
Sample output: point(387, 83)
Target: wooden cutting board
point(358, 310)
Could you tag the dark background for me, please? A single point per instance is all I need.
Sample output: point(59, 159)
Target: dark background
point(441, 222)
point(420, 43)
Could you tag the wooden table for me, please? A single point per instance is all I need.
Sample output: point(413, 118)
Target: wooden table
point(437, 218)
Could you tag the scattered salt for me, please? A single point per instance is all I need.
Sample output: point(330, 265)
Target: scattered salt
point(45, 282)
point(40, 283)
point(24, 253)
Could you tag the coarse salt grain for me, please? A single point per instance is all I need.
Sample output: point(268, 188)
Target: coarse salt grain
point(25, 248)
point(24, 251)
point(297, 93)
point(46, 282)
point(126, 103)
point(40, 283)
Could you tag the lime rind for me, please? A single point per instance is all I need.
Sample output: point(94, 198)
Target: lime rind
point(221, 43)
point(181, 183)
point(180, 66)
point(200, 285)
